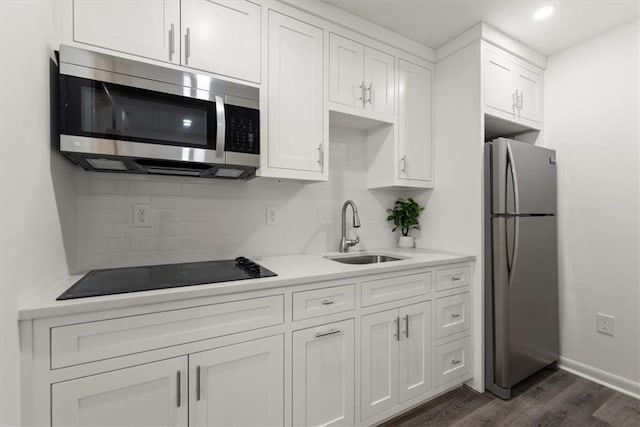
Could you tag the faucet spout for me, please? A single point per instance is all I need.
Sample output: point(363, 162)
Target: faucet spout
point(345, 243)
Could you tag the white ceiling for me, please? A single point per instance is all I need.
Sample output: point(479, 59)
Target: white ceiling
point(433, 22)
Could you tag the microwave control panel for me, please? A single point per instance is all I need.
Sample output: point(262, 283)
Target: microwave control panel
point(243, 129)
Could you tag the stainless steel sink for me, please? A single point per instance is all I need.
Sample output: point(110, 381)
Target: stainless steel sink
point(364, 258)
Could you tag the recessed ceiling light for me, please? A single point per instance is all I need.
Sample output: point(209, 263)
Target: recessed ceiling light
point(543, 13)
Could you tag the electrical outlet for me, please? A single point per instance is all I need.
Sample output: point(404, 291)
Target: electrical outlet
point(141, 215)
point(606, 324)
point(273, 216)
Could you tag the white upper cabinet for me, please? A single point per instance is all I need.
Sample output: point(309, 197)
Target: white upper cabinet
point(346, 71)
point(529, 87)
point(361, 77)
point(217, 36)
point(512, 89)
point(324, 375)
point(296, 117)
point(153, 394)
point(238, 385)
point(380, 77)
point(222, 36)
point(144, 28)
point(415, 138)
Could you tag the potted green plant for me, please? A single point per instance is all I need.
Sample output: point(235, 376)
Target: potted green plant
point(404, 216)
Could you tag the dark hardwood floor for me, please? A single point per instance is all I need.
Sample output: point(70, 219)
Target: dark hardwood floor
point(549, 398)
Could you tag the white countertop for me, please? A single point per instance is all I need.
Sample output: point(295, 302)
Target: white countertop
point(291, 270)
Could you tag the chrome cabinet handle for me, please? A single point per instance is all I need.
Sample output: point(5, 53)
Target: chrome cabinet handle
point(403, 164)
point(198, 383)
point(397, 334)
point(369, 89)
point(514, 100)
point(455, 315)
point(361, 97)
point(406, 321)
point(187, 46)
point(331, 331)
point(179, 386)
point(455, 278)
point(172, 42)
point(320, 155)
point(521, 100)
point(456, 362)
point(328, 302)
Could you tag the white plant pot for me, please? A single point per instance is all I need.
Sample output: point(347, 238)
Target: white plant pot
point(406, 242)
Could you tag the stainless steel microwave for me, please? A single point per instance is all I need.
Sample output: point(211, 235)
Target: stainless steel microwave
point(119, 115)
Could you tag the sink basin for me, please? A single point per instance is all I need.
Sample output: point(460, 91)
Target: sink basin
point(364, 258)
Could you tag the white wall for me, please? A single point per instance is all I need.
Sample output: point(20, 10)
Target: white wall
point(591, 119)
point(34, 184)
point(453, 218)
point(196, 219)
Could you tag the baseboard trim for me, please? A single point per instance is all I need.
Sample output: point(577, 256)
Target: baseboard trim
point(607, 379)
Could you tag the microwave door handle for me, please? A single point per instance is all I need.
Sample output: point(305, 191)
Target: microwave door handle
point(221, 127)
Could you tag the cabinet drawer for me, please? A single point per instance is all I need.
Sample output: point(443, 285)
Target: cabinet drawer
point(450, 278)
point(395, 288)
point(321, 302)
point(453, 315)
point(453, 360)
point(87, 342)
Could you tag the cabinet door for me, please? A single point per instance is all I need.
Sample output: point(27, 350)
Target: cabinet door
point(238, 385)
point(346, 71)
point(379, 77)
point(295, 95)
point(529, 85)
point(140, 27)
point(415, 350)
point(414, 122)
point(154, 394)
point(379, 367)
point(222, 37)
point(323, 375)
point(499, 88)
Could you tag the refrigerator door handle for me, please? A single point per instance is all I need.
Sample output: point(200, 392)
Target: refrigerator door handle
point(511, 168)
point(514, 249)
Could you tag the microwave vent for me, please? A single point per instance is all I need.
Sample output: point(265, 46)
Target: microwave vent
point(107, 164)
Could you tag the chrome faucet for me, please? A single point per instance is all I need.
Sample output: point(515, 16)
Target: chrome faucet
point(345, 243)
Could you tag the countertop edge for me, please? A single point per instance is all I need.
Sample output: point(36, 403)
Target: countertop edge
point(45, 304)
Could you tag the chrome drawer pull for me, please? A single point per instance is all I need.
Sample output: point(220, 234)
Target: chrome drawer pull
point(455, 279)
point(198, 383)
point(179, 390)
point(456, 362)
point(329, 332)
point(328, 302)
point(455, 315)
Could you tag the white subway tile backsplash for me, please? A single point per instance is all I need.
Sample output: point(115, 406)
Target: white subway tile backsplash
point(196, 220)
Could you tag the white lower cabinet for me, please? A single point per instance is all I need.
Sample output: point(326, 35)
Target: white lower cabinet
point(396, 357)
point(154, 394)
point(238, 385)
point(335, 357)
point(453, 360)
point(415, 351)
point(323, 375)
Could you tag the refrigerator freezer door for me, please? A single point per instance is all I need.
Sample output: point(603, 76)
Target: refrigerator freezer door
point(525, 297)
point(523, 178)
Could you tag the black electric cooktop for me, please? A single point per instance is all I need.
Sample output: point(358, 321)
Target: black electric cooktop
point(135, 279)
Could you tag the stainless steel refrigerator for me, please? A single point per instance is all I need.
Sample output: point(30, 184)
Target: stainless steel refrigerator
point(521, 270)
